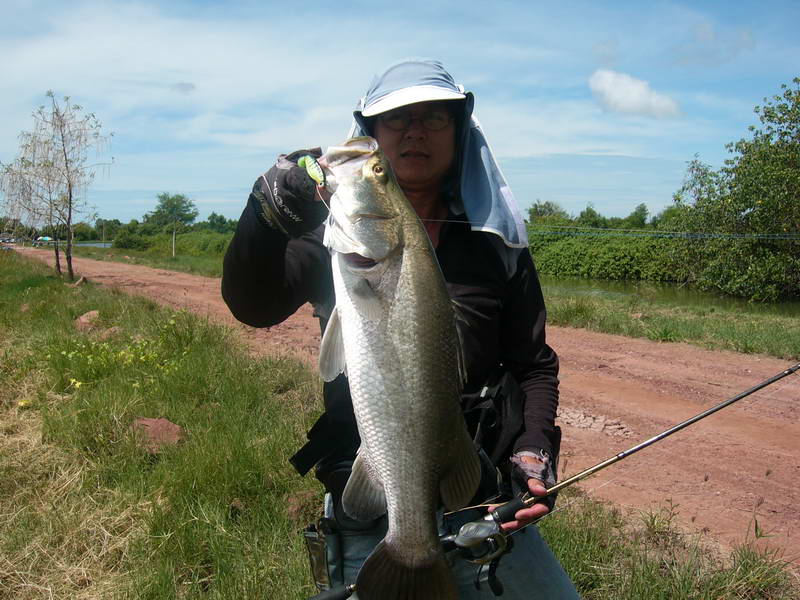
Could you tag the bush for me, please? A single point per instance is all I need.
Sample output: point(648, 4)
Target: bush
point(756, 269)
point(748, 270)
point(603, 257)
point(196, 243)
point(131, 241)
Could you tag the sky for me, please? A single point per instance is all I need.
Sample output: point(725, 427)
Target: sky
point(599, 103)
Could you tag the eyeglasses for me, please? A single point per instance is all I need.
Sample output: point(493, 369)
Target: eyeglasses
point(432, 120)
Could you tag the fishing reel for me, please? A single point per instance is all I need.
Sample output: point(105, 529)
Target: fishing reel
point(478, 542)
point(481, 543)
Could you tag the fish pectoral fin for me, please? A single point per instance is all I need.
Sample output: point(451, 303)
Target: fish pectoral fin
point(365, 300)
point(384, 576)
point(461, 482)
point(331, 349)
point(364, 498)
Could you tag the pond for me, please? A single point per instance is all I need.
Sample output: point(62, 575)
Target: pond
point(663, 293)
point(95, 244)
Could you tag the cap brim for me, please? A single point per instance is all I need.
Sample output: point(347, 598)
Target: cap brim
point(410, 95)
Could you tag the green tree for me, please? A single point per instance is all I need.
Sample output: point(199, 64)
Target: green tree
point(84, 232)
point(672, 218)
point(637, 219)
point(756, 194)
point(762, 179)
point(173, 212)
point(107, 228)
point(218, 223)
point(547, 211)
point(172, 209)
point(589, 217)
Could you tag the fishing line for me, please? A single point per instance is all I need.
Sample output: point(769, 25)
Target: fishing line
point(663, 452)
point(794, 370)
point(318, 188)
point(593, 490)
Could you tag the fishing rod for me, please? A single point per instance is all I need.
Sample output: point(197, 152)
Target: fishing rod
point(489, 527)
point(483, 541)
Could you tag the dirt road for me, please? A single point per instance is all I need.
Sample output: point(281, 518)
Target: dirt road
point(739, 463)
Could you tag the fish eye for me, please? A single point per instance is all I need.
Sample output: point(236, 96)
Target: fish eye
point(378, 169)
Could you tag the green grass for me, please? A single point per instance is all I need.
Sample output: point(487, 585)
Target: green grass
point(644, 316)
point(86, 512)
point(206, 265)
point(643, 555)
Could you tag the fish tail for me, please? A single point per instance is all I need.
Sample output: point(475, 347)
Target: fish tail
point(384, 577)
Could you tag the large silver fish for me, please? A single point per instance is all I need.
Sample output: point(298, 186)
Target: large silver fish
point(393, 332)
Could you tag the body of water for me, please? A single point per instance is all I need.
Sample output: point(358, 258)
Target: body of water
point(95, 244)
point(661, 293)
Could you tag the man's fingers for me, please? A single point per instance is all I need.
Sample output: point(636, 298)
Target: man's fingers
point(525, 516)
point(536, 487)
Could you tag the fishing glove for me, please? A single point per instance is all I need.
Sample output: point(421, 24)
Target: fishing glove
point(542, 469)
point(285, 197)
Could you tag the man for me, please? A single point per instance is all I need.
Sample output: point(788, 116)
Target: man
point(276, 262)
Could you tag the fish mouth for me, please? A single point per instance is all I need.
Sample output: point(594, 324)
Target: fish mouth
point(355, 150)
point(358, 262)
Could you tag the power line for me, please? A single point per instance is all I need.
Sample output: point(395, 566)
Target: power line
point(567, 230)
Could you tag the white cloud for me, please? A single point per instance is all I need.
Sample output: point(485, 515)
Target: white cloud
point(619, 92)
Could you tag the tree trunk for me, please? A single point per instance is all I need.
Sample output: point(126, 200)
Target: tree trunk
point(68, 254)
point(174, 229)
point(70, 233)
point(58, 257)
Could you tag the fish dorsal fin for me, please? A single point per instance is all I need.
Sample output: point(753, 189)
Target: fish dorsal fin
point(364, 498)
point(365, 300)
point(331, 350)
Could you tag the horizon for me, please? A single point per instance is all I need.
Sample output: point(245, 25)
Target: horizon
point(606, 109)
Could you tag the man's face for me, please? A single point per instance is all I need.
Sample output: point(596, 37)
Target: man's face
point(420, 156)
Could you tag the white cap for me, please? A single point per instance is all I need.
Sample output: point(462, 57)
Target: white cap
point(410, 95)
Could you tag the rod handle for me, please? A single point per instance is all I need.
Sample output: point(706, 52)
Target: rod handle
point(505, 512)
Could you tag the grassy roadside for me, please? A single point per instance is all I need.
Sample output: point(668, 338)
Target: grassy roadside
point(207, 266)
point(644, 316)
point(85, 512)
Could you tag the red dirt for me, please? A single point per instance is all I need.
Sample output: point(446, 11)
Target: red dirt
point(615, 393)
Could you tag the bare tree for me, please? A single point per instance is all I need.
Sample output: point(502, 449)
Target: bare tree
point(49, 178)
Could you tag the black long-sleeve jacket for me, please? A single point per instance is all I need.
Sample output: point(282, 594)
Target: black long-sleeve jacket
point(268, 276)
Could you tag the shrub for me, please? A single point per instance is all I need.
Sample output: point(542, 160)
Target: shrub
point(131, 241)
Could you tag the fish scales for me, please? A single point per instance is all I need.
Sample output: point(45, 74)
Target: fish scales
point(393, 330)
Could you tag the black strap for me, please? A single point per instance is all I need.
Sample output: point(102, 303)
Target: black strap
point(495, 415)
point(315, 448)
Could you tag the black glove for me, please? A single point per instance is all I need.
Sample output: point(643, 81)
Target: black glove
point(544, 472)
point(285, 197)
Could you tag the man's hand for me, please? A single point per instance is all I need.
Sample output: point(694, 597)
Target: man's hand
point(286, 198)
point(527, 515)
point(527, 468)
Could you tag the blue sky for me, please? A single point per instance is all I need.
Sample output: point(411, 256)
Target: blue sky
point(587, 102)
